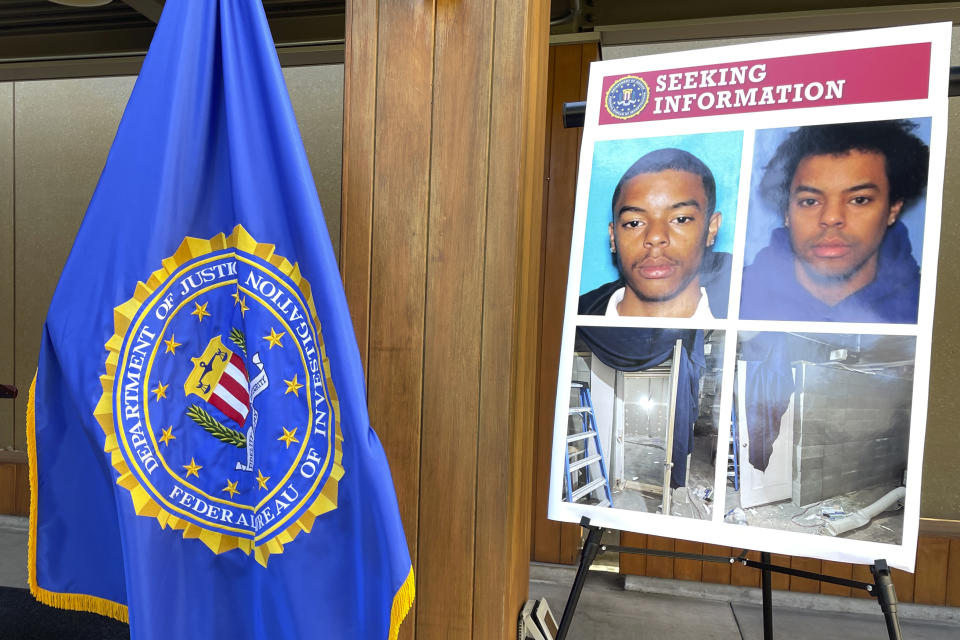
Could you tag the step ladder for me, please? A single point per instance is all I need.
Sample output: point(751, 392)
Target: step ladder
point(585, 472)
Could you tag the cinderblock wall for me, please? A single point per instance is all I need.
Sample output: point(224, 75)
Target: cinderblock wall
point(850, 431)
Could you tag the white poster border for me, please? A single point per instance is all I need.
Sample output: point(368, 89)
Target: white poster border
point(715, 531)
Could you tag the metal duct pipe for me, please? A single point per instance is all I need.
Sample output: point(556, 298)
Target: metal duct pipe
point(571, 18)
point(863, 517)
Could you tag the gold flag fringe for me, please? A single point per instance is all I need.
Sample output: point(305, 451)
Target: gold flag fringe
point(70, 601)
point(402, 602)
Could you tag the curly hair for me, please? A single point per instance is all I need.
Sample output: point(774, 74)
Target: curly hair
point(906, 156)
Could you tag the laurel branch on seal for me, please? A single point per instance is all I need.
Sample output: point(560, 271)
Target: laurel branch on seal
point(237, 337)
point(215, 428)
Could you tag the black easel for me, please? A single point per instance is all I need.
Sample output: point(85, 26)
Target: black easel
point(882, 588)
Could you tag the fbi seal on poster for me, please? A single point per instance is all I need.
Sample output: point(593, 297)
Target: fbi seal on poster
point(627, 97)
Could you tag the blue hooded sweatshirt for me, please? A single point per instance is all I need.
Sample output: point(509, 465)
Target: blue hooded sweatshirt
point(771, 291)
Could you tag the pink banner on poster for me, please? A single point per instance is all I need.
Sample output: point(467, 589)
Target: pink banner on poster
point(859, 76)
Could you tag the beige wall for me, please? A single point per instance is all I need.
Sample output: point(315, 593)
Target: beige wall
point(54, 140)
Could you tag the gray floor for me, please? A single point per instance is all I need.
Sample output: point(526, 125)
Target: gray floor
point(671, 609)
point(658, 608)
point(13, 552)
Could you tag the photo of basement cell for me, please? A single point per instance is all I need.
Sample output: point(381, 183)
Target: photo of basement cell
point(820, 434)
point(643, 422)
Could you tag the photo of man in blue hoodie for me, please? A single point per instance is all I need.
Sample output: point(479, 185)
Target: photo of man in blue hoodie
point(842, 254)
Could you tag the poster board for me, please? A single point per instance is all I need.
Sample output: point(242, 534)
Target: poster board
point(750, 297)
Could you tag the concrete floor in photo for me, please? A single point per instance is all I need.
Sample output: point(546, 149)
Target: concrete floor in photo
point(643, 468)
point(784, 515)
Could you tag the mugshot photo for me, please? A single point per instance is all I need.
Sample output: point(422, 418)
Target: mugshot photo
point(835, 222)
point(660, 222)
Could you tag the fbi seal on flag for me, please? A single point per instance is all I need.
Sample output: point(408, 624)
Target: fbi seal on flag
point(219, 410)
point(626, 97)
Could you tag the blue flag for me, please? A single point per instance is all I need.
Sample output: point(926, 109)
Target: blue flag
point(202, 462)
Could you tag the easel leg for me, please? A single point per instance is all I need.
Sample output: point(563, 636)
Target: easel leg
point(590, 548)
point(766, 584)
point(887, 597)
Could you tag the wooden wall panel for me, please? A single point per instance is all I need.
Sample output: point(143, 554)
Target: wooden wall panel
point(14, 489)
point(742, 575)
point(660, 567)
point(544, 533)
point(861, 573)
point(454, 297)
point(952, 597)
point(441, 251)
point(553, 542)
point(688, 569)
point(837, 570)
point(716, 572)
point(930, 581)
point(359, 132)
point(780, 580)
point(903, 582)
point(571, 537)
point(398, 245)
point(633, 563)
point(514, 227)
point(804, 584)
point(8, 488)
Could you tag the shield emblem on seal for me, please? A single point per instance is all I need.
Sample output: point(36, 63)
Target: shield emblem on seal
point(219, 376)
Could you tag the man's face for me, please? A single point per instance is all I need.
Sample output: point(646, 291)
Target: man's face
point(838, 214)
point(660, 232)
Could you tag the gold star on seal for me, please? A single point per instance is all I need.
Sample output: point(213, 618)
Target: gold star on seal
point(192, 468)
point(289, 436)
point(172, 344)
point(240, 300)
point(274, 338)
point(293, 386)
point(167, 436)
point(200, 310)
point(262, 479)
point(161, 390)
point(231, 488)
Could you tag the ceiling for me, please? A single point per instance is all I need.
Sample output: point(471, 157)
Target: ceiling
point(618, 12)
point(40, 29)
